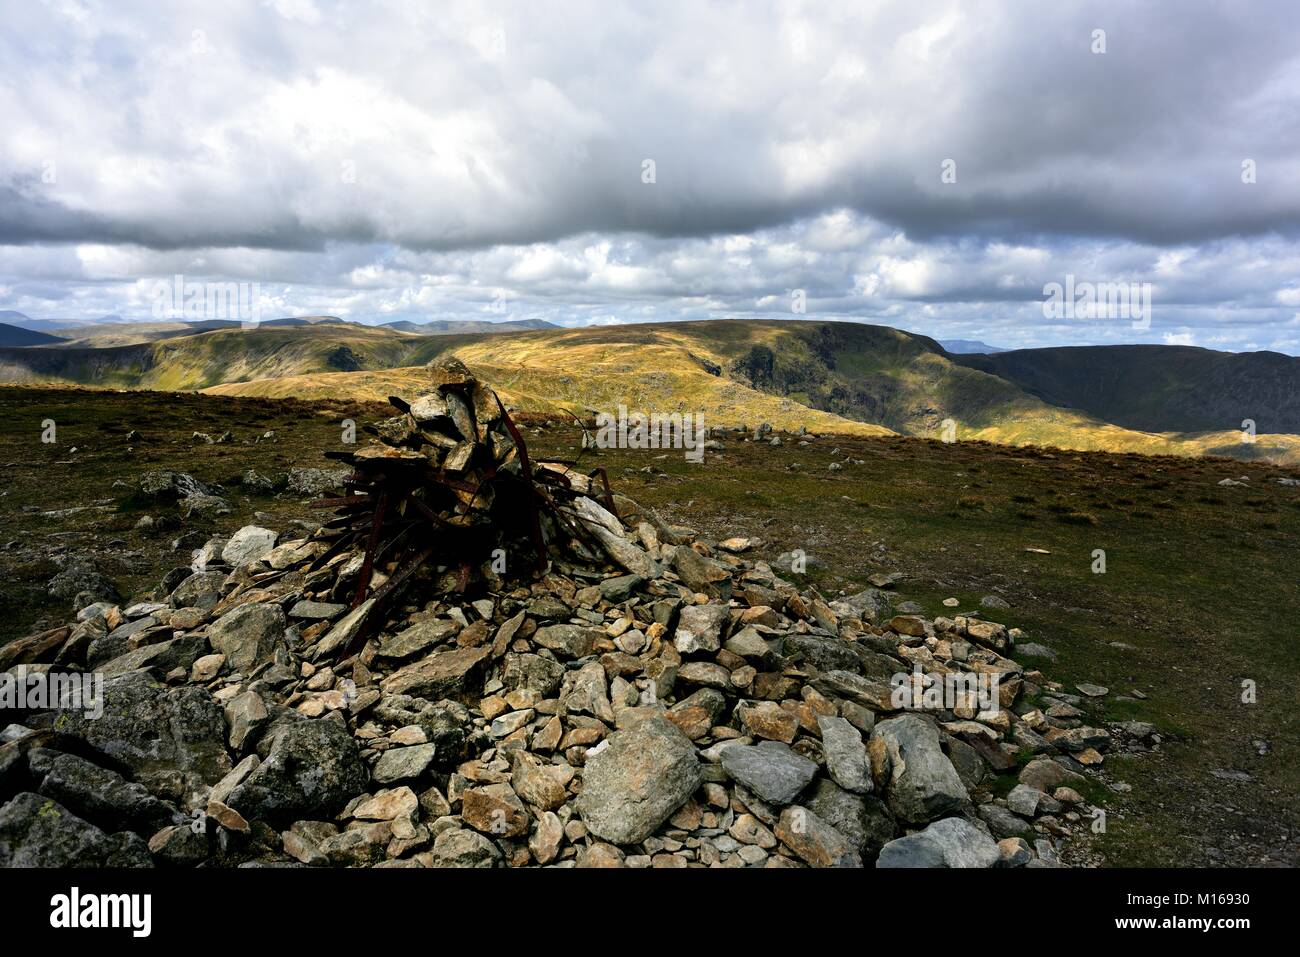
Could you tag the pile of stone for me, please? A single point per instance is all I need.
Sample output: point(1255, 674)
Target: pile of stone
point(645, 699)
point(447, 482)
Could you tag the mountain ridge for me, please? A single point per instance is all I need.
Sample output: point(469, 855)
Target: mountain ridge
point(844, 375)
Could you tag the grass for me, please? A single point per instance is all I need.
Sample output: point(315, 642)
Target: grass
point(1198, 594)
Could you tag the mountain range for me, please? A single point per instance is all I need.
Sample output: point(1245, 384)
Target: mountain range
point(964, 346)
point(829, 376)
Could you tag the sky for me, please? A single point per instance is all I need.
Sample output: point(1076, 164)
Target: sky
point(929, 164)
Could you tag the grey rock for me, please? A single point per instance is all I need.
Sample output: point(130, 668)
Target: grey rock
point(923, 784)
point(104, 797)
point(443, 674)
point(532, 673)
point(172, 740)
point(206, 506)
point(699, 628)
point(701, 574)
point(419, 637)
point(770, 769)
point(970, 766)
point(200, 590)
point(117, 642)
point(256, 482)
point(245, 713)
point(574, 641)
point(846, 755)
point(1002, 822)
point(871, 604)
point(1023, 800)
point(37, 831)
point(248, 635)
point(163, 657)
point(620, 588)
point(404, 764)
point(251, 543)
point(863, 818)
point(462, 847)
point(316, 610)
point(1047, 775)
point(1032, 649)
point(824, 654)
point(951, 842)
point(81, 581)
point(638, 780)
point(815, 841)
point(343, 631)
point(165, 486)
point(627, 555)
point(315, 481)
point(308, 769)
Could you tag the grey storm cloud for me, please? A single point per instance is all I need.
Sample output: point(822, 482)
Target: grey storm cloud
point(399, 159)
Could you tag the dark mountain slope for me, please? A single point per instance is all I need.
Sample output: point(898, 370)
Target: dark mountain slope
point(1158, 388)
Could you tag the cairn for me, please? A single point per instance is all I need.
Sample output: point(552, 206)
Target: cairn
point(385, 692)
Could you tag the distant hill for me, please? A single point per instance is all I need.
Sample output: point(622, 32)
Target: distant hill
point(967, 346)
point(1158, 388)
point(305, 321)
point(828, 375)
point(18, 337)
point(15, 318)
point(438, 327)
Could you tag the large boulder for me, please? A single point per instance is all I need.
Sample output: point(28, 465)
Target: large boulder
point(637, 781)
point(162, 657)
point(463, 848)
point(171, 740)
point(871, 605)
point(166, 486)
point(307, 481)
point(846, 755)
point(532, 673)
point(951, 842)
point(37, 831)
point(82, 580)
point(105, 797)
point(309, 769)
point(922, 783)
point(816, 842)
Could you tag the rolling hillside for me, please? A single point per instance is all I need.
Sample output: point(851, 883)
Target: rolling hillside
point(829, 376)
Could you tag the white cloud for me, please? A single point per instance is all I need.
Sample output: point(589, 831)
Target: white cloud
point(414, 162)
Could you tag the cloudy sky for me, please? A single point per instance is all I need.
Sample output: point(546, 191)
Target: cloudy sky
point(602, 162)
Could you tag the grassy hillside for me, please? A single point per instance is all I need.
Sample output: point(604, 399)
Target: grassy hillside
point(829, 376)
